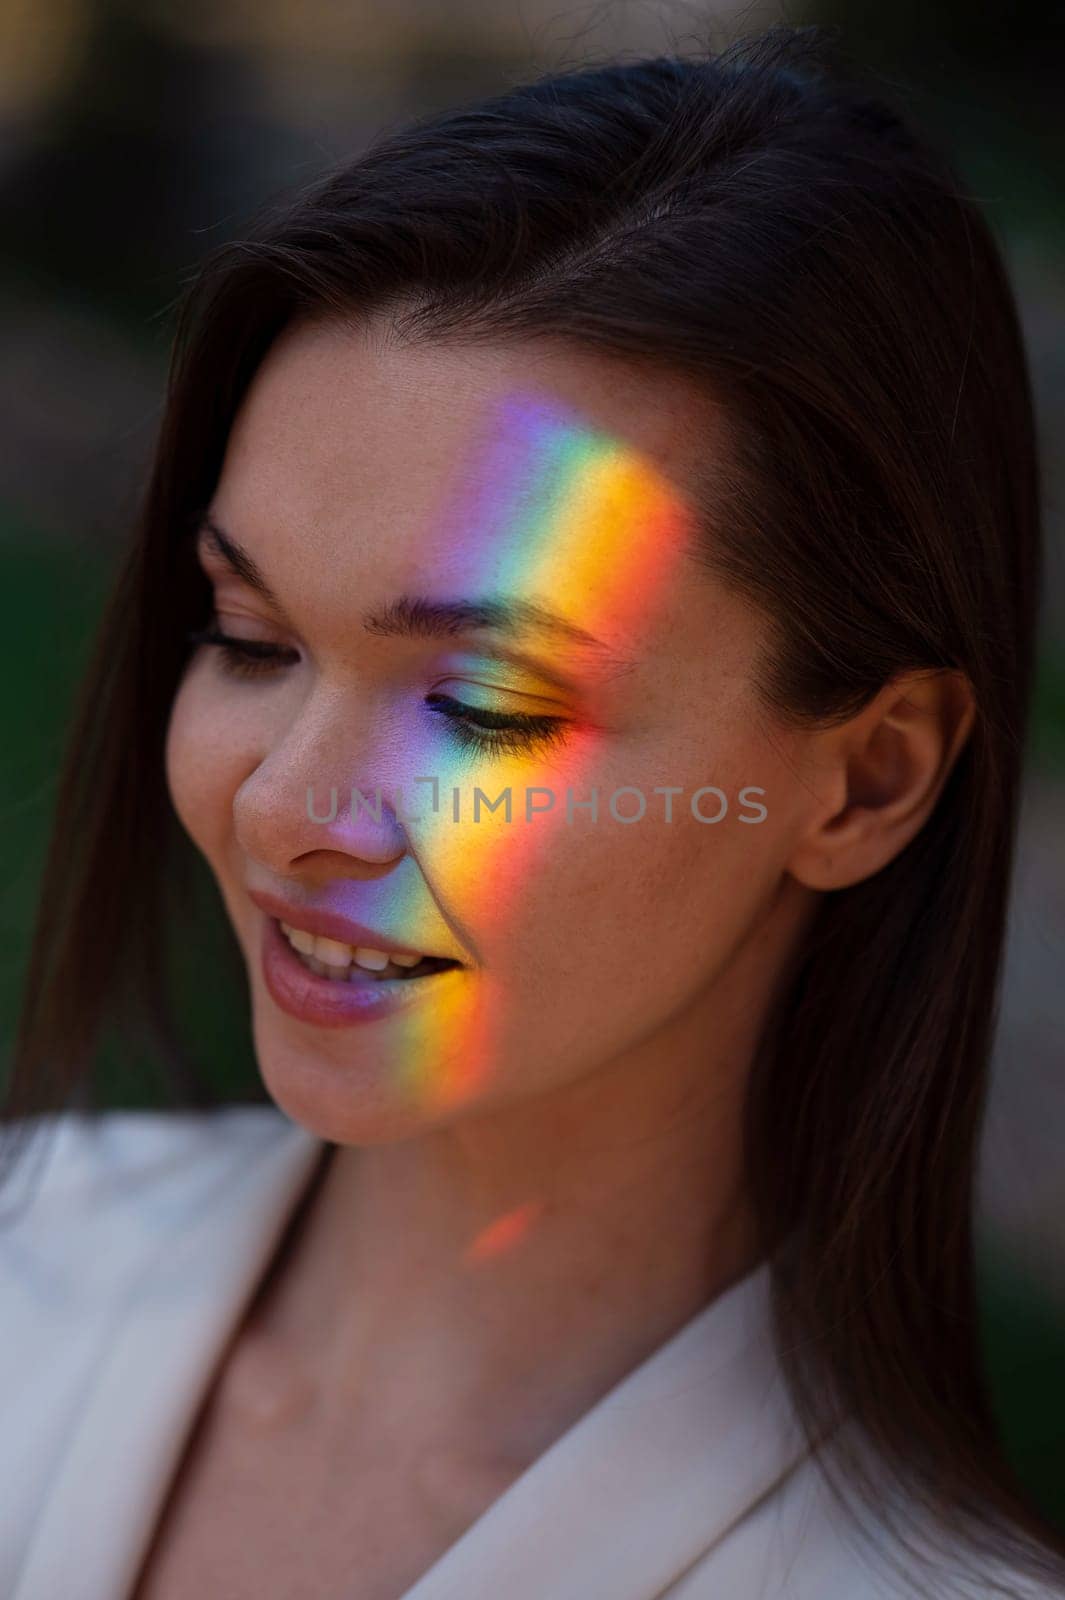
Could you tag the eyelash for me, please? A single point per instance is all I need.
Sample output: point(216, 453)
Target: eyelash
point(472, 727)
point(497, 732)
point(244, 658)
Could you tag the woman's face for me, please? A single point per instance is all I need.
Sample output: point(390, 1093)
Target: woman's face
point(372, 486)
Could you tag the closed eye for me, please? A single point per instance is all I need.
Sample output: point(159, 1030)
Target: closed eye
point(472, 727)
point(501, 732)
point(245, 658)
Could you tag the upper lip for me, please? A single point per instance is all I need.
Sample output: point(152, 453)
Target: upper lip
point(331, 925)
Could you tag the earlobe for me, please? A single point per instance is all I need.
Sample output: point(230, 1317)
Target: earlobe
point(891, 761)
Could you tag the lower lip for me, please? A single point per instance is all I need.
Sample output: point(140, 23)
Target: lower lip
point(327, 1002)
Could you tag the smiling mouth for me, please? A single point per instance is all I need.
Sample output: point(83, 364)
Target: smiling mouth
point(344, 963)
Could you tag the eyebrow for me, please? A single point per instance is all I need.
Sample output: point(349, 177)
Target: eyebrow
point(415, 617)
point(236, 557)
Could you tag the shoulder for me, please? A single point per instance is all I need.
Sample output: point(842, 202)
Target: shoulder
point(95, 1199)
point(799, 1544)
point(80, 1156)
point(91, 1204)
point(84, 1192)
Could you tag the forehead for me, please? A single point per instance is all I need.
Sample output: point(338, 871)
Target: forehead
point(566, 474)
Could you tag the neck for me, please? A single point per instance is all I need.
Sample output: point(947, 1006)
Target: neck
point(492, 1279)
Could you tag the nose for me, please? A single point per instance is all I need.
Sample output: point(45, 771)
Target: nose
point(295, 816)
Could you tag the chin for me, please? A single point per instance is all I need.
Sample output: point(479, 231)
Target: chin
point(352, 1091)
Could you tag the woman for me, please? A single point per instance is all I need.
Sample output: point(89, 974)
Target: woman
point(583, 614)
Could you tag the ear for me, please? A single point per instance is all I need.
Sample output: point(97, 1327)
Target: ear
point(875, 779)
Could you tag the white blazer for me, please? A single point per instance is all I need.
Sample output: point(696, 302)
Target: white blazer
point(139, 1240)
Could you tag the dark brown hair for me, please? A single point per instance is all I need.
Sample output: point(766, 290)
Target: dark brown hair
point(758, 219)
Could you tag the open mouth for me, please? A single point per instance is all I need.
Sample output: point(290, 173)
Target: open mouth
point(343, 963)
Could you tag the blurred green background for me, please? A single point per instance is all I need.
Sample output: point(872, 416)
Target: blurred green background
point(139, 135)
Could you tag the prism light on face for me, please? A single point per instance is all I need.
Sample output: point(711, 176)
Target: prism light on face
point(552, 510)
point(372, 484)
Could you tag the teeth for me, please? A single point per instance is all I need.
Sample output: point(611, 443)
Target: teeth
point(331, 957)
point(332, 952)
point(372, 960)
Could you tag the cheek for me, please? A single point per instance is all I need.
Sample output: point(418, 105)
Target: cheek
point(205, 762)
point(593, 937)
point(594, 910)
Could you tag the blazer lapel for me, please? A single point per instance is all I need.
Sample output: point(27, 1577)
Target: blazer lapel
point(629, 1497)
point(157, 1357)
point(649, 1479)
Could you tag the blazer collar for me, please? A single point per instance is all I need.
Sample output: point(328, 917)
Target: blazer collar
point(648, 1480)
point(636, 1491)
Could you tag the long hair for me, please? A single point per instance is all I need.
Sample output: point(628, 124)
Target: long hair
point(760, 220)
